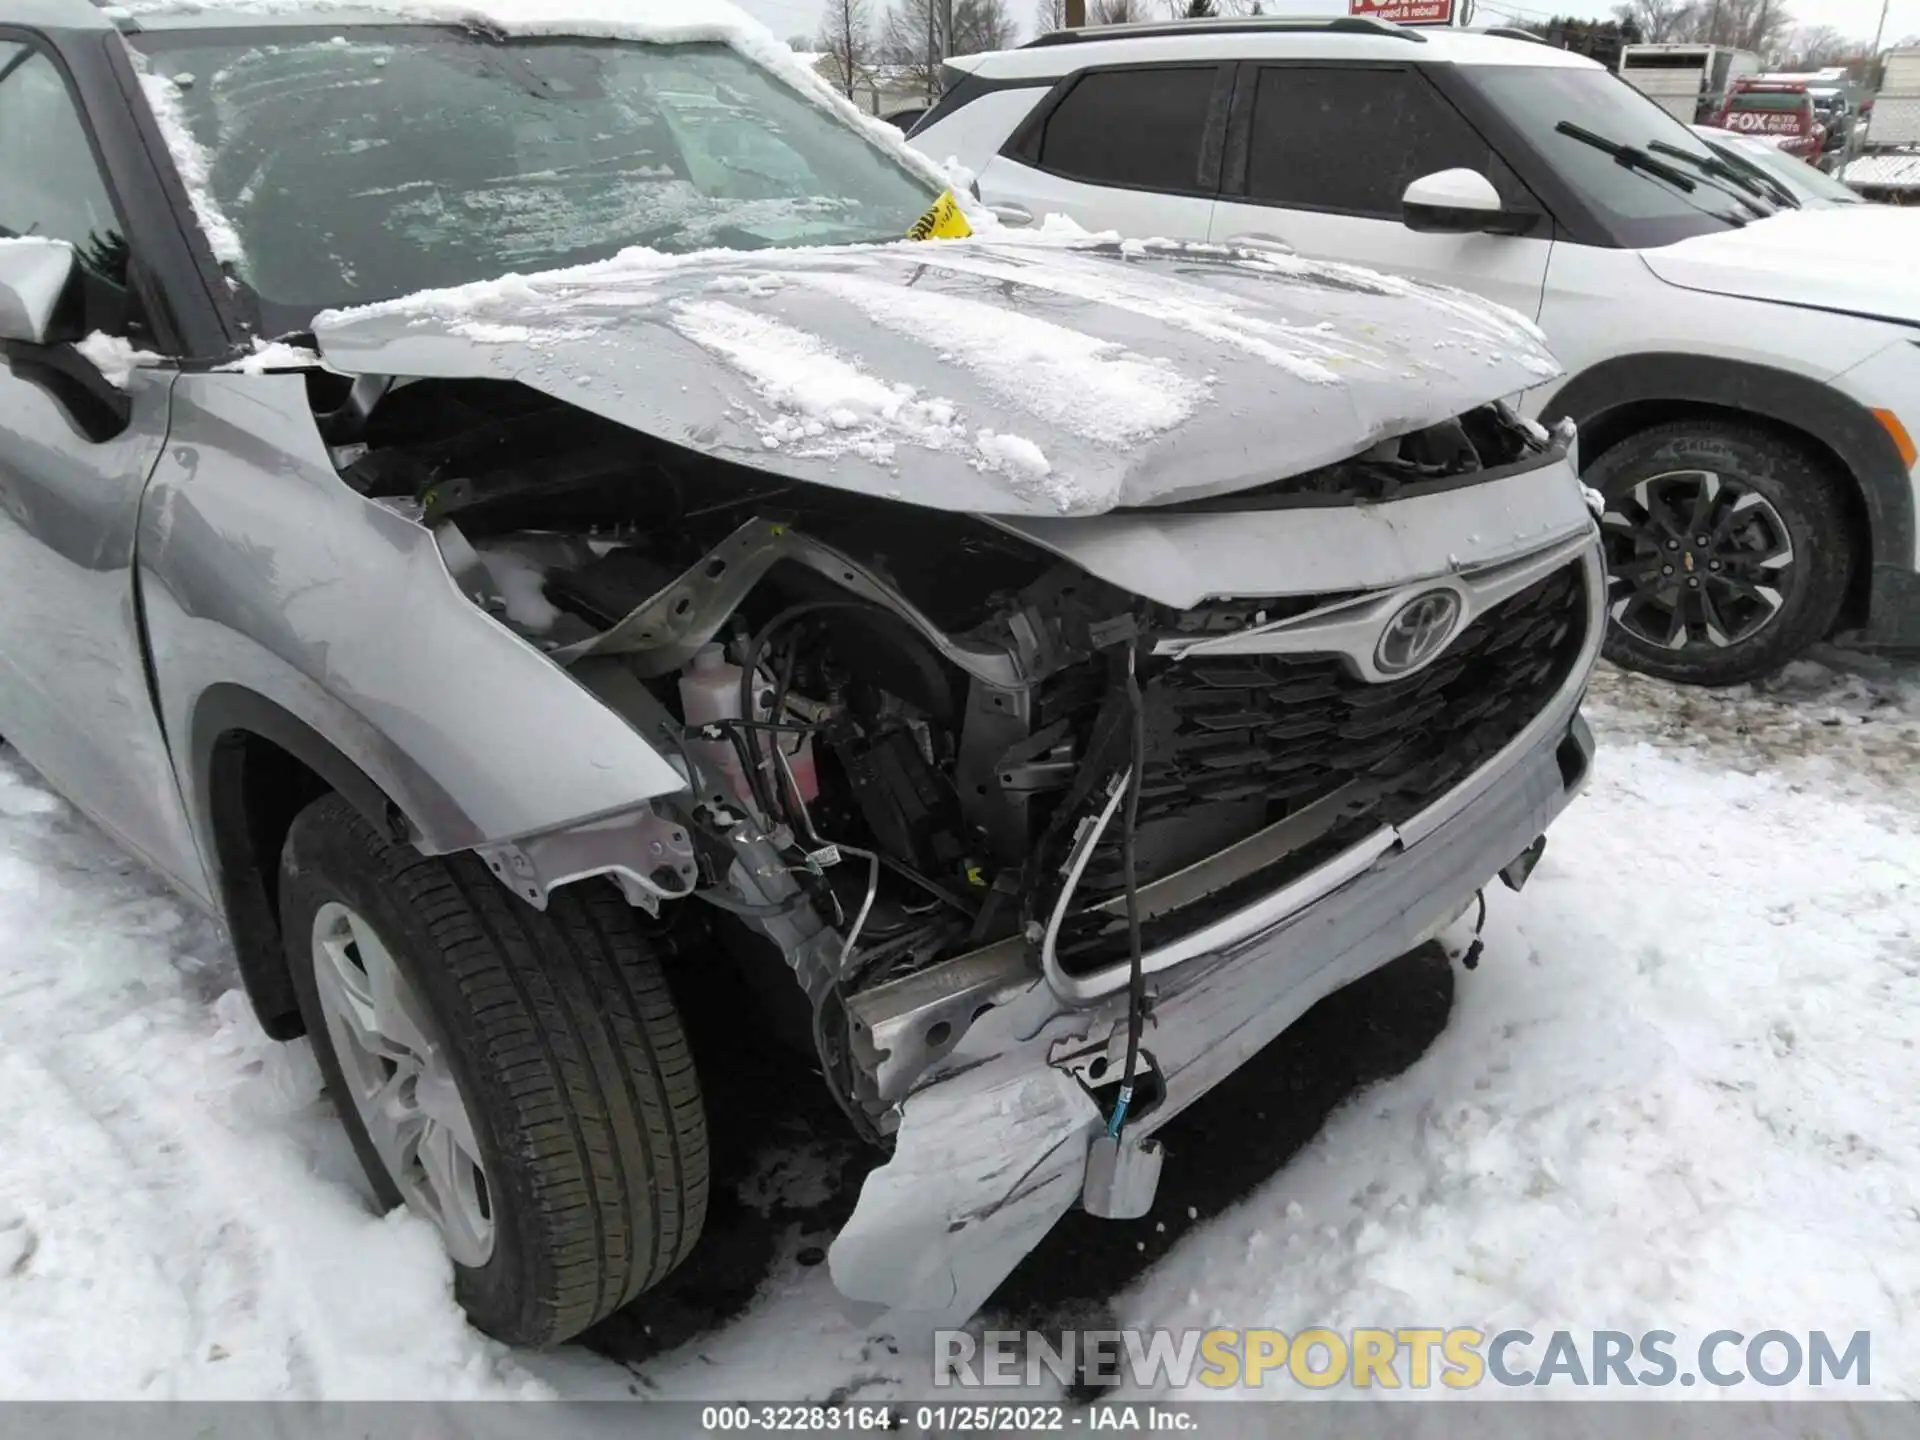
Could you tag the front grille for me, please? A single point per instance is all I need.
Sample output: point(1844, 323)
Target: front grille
point(1235, 744)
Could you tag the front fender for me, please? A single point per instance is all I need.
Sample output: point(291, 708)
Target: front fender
point(1811, 406)
point(264, 575)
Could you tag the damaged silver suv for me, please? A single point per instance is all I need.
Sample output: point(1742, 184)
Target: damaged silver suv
point(505, 518)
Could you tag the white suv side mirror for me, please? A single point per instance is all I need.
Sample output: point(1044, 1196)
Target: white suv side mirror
point(1459, 202)
point(33, 276)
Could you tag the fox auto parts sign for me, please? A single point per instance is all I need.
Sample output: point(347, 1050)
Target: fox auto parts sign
point(1405, 12)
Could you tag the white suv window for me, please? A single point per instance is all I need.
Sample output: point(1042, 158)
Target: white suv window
point(1140, 128)
point(1351, 140)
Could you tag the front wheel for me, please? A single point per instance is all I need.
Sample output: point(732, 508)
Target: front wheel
point(518, 1078)
point(1728, 551)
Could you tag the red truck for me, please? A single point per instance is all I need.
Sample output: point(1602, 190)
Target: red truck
point(1778, 110)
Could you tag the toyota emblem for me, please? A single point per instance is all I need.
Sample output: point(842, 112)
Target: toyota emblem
point(1417, 633)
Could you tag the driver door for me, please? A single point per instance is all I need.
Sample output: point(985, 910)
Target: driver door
point(74, 698)
point(1319, 155)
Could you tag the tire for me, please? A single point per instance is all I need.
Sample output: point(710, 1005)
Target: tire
point(584, 1147)
point(1779, 561)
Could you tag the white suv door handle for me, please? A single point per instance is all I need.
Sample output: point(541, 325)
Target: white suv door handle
point(1012, 214)
point(1261, 242)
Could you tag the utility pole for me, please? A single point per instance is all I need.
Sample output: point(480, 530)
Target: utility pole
point(1873, 71)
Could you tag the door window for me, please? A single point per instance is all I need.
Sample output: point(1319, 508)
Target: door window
point(51, 185)
point(1141, 129)
point(1351, 140)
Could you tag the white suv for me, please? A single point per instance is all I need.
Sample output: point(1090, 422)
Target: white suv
point(1745, 373)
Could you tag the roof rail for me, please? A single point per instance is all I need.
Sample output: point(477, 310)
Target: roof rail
point(1251, 25)
point(1513, 32)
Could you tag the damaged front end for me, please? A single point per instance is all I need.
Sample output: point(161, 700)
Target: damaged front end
point(1022, 809)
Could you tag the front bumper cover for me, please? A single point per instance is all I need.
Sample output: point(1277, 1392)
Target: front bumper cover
point(989, 1157)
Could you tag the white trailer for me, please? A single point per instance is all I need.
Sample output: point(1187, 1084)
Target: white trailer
point(1896, 110)
point(1687, 81)
point(1888, 166)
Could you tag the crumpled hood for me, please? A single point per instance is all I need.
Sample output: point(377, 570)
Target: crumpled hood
point(1003, 377)
point(1855, 258)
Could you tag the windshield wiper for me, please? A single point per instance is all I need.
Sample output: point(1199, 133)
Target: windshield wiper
point(1751, 188)
point(1634, 158)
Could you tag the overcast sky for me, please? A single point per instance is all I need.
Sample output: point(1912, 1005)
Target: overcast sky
point(1851, 17)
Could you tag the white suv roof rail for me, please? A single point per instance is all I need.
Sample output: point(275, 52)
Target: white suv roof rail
point(1155, 29)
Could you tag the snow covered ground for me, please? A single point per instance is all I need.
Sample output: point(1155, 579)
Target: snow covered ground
point(1679, 1093)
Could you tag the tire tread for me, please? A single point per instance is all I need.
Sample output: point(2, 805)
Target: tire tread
point(567, 1016)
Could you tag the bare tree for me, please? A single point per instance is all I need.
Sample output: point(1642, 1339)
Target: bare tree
point(1116, 12)
point(914, 38)
point(846, 38)
point(1759, 25)
point(1813, 47)
point(1049, 15)
point(1660, 21)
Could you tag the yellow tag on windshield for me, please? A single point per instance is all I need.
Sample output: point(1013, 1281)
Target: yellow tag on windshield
point(943, 222)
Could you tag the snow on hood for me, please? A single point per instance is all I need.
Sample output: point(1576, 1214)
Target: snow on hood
point(1857, 259)
point(1057, 373)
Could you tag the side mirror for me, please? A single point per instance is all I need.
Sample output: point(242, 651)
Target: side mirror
point(34, 274)
point(1459, 202)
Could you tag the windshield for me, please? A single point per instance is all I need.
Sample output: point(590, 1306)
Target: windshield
point(363, 164)
point(1638, 207)
point(1767, 100)
point(1808, 185)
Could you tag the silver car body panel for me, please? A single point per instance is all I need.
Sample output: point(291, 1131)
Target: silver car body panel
point(262, 571)
point(72, 672)
point(208, 572)
point(998, 377)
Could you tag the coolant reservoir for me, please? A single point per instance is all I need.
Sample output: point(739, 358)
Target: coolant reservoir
point(710, 691)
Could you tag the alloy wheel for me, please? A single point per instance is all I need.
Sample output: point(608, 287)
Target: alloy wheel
point(1695, 557)
point(398, 1077)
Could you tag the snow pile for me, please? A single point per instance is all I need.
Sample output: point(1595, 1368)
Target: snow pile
point(180, 1216)
point(1677, 1094)
point(824, 405)
point(1849, 724)
point(272, 355)
point(114, 357)
point(822, 399)
point(1088, 386)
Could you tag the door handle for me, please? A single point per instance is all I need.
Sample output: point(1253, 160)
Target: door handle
point(1271, 243)
point(1012, 214)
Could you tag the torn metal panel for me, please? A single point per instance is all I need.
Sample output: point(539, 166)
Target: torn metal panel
point(983, 1166)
